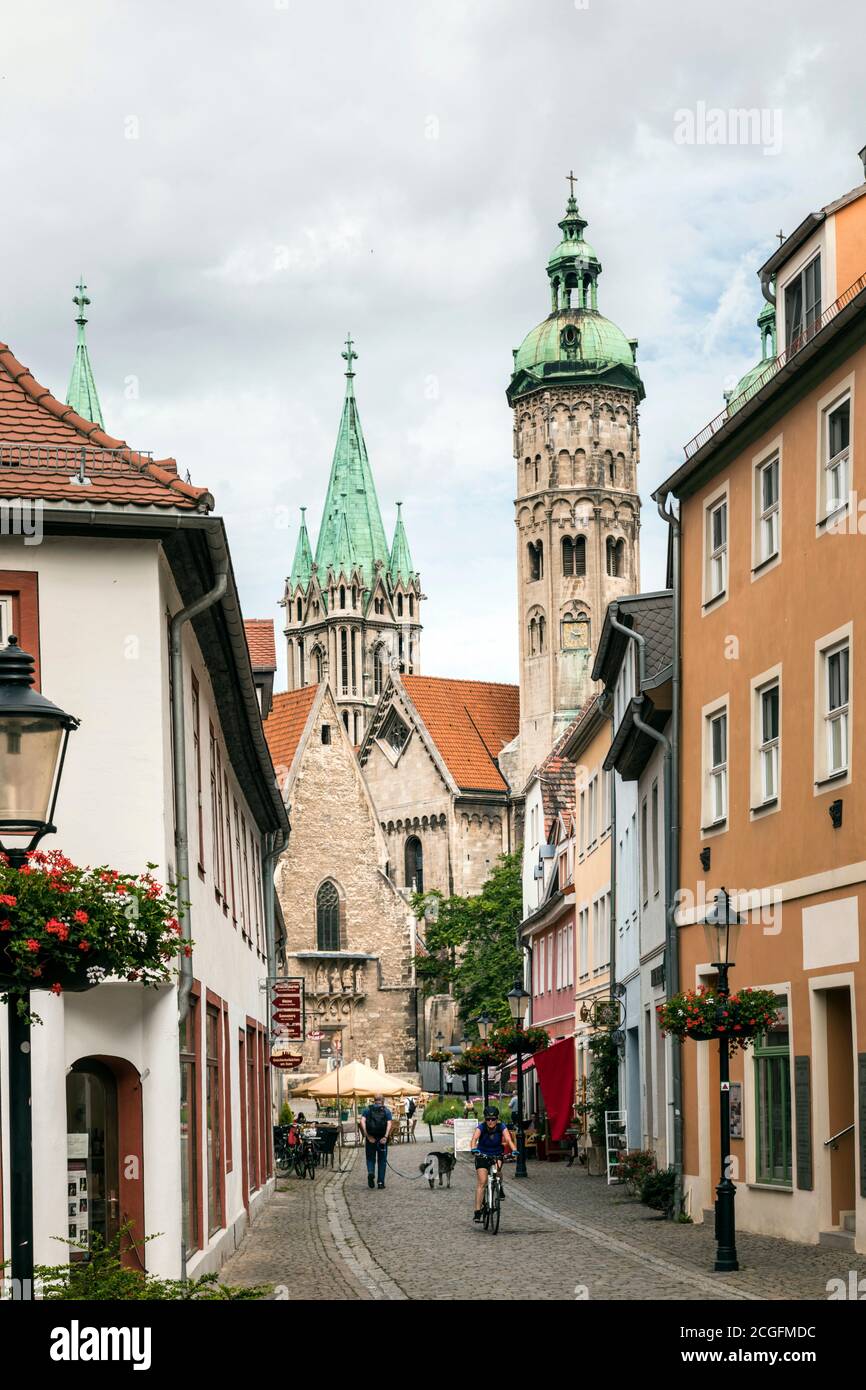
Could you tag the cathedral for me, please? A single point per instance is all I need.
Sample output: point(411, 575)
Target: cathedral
point(574, 393)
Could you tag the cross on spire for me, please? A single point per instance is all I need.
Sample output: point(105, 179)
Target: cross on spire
point(350, 355)
point(80, 299)
point(781, 235)
point(571, 179)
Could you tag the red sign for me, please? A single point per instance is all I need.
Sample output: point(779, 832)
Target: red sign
point(287, 987)
point(286, 1015)
point(284, 1061)
point(315, 1037)
point(287, 1009)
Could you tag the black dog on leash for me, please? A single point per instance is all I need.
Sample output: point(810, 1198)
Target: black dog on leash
point(438, 1162)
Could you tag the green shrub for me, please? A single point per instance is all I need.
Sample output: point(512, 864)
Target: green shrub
point(658, 1190)
point(103, 1278)
point(634, 1168)
point(436, 1112)
point(286, 1115)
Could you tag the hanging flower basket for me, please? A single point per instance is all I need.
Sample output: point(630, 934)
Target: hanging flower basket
point(704, 1014)
point(66, 928)
point(481, 1055)
point(525, 1040)
point(462, 1066)
point(439, 1055)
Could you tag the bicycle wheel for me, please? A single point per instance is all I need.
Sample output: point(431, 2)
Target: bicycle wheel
point(311, 1165)
point(283, 1163)
point(300, 1164)
point(495, 1210)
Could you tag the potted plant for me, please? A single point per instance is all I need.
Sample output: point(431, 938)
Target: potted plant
point(68, 928)
point(703, 1014)
point(510, 1039)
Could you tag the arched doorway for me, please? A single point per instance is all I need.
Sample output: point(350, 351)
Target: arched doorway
point(105, 1152)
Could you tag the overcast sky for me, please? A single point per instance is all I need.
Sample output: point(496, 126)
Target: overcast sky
point(243, 181)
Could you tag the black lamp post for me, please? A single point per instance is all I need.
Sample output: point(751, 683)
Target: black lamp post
point(33, 738)
point(722, 928)
point(484, 1023)
point(465, 1044)
point(518, 1003)
point(440, 1039)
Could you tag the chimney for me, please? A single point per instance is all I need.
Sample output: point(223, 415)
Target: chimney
point(863, 160)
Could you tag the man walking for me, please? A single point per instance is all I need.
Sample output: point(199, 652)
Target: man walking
point(376, 1125)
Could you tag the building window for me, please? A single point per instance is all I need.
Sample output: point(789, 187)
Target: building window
point(354, 638)
point(768, 743)
point(189, 1122)
point(803, 304)
point(767, 510)
point(836, 708)
point(327, 918)
point(773, 1101)
point(346, 720)
point(836, 455)
point(395, 733)
point(213, 1080)
point(654, 828)
point(399, 605)
point(344, 660)
point(644, 851)
point(717, 549)
point(299, 609)
point(717, 767)
point(535, 556)
point(574, 555)
point(414, 864)
point(318, 662)
point(615, 557)
point(326, 733)
point(196, 753)
point(411, 605)
point(342, 596)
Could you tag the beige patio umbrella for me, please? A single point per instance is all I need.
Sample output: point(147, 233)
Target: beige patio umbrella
point(354, 1081)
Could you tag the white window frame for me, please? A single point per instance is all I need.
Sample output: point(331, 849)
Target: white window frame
point(6, 619)
point(760, 804)
point(713, 596)
point(828, 518)
point(826, 778)
point(654, 831)
point(583, 943)
point(710, 824)
point(764, 560)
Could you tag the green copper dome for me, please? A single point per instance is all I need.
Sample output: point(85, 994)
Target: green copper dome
point(575, 341)
point(751, 382)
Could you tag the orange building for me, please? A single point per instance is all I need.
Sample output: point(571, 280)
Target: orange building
point(772, 558)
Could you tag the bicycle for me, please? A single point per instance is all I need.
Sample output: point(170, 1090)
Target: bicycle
point(491, 1204)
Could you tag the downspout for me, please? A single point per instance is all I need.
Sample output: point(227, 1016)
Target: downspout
point(275, 842)
point(672, 838)
point(181, 818)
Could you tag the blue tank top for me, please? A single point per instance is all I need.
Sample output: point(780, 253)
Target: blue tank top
point(490, 1140)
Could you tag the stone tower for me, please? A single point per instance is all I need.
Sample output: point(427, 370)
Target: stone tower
point(575, 391)
point(353, 613)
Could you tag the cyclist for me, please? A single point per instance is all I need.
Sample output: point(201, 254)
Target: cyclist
point(491, 1141)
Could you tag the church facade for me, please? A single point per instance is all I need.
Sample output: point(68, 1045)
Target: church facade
point(574, 394)
point(353, 610)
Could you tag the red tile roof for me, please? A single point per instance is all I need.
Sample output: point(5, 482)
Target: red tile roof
point(470, 722)
point(261, 642)
point(285, 724)
point(556, 775)
point(43, 443)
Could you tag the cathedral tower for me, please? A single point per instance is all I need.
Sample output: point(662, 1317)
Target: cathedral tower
point(574, 391)
point(353, 613)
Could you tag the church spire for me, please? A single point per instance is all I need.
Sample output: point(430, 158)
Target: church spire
point(351, 522)
point(400, 567)
point(302, 565)
point(82, 395)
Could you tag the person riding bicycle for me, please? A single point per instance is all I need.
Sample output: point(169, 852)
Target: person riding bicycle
point(491, 1141)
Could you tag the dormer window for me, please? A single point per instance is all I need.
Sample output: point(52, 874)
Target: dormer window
point(803, 304)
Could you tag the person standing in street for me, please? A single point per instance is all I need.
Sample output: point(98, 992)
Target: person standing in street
point(376, 1125)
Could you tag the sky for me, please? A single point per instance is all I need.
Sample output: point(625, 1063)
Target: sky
point(243, 182)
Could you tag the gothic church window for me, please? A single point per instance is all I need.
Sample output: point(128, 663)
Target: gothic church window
point(411, 606)
point(414, 864)
point(615, 557)
point(344, 661)
point(299, 609)
point(378, 671)
point(328, 918)
point(318, 662)
point(574, 555)
point(395, 733)
point(399, 605)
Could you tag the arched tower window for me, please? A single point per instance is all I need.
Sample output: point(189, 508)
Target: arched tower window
point(411, 605)
point(344, 661)
point(354, 596)
point(414, 864)
point(615, 557)
point(346, 720)
point(399, 605)
point(299, 609)
point(541, 626)
point(574, 554)
point(535, 556)
point(327, 918)
point(342, 596)
point(378, 670)
point(318, 662)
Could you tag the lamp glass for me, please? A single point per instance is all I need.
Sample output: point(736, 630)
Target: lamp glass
point(484, 1022)
point(518, 1002)
point(29, 750)
point(722, 931)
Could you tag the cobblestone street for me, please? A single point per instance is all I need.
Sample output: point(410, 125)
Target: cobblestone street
point(575, 1237)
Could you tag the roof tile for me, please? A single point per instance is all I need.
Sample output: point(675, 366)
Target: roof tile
point(262, 643)
point(470, 722)
point(285, 724)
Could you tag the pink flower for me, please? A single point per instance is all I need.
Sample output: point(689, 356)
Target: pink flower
point(79, 916)
point(32, 945)
point(56, 988)
point(5, 925)
point(84, 945)
point(8, 899)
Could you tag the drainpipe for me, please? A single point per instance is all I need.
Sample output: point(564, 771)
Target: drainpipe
point(672, 836)
point(181, 819)
point(274, 842)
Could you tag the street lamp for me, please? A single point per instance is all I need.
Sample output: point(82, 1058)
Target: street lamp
point(33, 738)
point(722, 930)
point(518, 1003)
point(484, 1023)
point(465, 1044)
point(440, 1041)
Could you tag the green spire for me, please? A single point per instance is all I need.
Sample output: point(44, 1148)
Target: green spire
point(82, 388)
point(351, 533)
point(401, 561)
point(302, 565)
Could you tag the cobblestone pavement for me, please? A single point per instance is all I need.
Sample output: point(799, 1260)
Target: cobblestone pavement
point(336, 1239)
